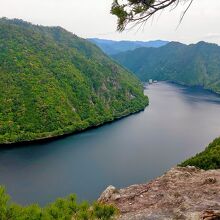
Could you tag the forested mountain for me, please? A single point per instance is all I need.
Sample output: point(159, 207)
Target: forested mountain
point(111, 47)
point(195, 64)
point(53, 82)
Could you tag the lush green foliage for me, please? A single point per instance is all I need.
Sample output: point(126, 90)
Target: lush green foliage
point(61, 209)
point(208, 159)
point(53, 82)
point(193, 65)
point(111, 47)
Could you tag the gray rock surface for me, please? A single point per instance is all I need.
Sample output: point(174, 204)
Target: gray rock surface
point(181, 193)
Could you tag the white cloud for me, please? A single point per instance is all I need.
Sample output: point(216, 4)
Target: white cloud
point(212, 35)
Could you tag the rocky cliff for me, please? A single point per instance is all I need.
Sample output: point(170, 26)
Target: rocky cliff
point(181, 193)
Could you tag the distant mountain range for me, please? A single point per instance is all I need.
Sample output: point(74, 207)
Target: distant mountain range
point(194, 64)
point(53, 83)
point(111, 47)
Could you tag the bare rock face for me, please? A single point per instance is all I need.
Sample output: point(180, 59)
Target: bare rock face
point(181, 193)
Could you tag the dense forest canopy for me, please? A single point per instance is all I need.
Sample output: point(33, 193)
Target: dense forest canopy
point(53, 82)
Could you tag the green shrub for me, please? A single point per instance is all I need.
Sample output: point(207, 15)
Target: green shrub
point(61, 209)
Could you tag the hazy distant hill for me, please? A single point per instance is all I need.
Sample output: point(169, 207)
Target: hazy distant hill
point(113, 47)
point(53, 82)
point(195, 64)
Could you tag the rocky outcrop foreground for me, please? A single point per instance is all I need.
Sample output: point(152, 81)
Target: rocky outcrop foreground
point(181, 193)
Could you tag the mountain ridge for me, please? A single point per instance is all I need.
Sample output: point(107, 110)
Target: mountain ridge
point(111, 47)
point(193, 65)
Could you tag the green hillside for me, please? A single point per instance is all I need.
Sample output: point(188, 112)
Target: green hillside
point(208, 159)
point(194, 65)
point(53, 82)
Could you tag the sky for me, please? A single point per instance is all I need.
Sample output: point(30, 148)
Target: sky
point(92, 18)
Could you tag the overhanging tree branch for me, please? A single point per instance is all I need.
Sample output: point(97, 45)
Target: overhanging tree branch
point(139, 11)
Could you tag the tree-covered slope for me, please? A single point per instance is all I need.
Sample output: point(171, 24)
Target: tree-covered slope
point(111, 47)
point(195, 64)
point(208, 159)
point(53, 82)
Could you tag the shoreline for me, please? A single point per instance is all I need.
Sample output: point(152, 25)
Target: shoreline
point(52, 138)
point(190, 86)
point(49, 139)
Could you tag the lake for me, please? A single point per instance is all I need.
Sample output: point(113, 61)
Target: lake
point(178, 123)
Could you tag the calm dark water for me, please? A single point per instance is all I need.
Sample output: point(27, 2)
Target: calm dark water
point(178, 123)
